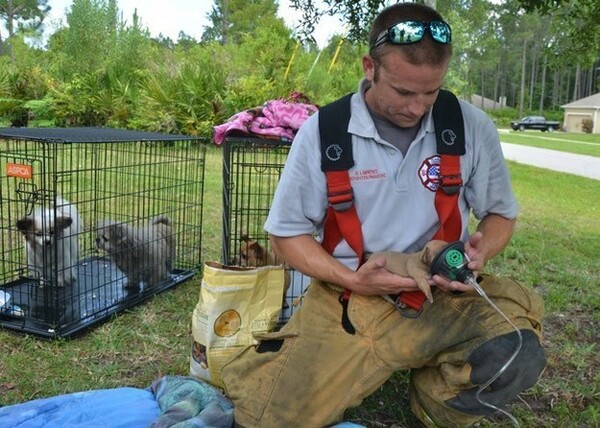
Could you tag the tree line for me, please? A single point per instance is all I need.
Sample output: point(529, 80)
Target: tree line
point(103, 69)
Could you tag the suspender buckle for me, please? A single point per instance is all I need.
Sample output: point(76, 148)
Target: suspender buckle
point(450, 184)
point(405, 309)
point(408, 307)
point(341, 201)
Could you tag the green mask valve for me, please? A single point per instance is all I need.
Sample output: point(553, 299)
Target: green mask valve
point(451, 263)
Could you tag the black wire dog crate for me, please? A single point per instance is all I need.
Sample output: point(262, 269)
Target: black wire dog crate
point(94, 221)
point(251, 171)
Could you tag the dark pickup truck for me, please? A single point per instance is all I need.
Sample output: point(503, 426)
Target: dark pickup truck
point(535, 122)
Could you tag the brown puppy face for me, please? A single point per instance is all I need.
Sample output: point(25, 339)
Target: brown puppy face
point(431, 250)
point(255, 255)
point(252, 253)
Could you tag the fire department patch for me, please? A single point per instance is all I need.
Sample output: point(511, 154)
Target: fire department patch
point(429, 172)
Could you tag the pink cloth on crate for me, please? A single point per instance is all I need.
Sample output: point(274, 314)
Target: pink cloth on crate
point(276, 118)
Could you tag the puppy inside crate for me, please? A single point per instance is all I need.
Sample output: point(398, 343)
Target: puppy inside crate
point(145, 254)
point(52, 242)
point(253, 253)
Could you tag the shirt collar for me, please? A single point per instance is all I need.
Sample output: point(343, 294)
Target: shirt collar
point(361, 123)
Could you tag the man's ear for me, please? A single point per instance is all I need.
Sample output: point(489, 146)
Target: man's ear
point(368, 67)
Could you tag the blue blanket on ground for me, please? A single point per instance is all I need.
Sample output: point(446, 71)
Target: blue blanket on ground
point(171, 401)
point(103, 408)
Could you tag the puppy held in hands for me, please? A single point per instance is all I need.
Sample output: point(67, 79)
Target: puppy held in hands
point(254, 254)
point(51, 241)
point(414, 265)
point(144, 254)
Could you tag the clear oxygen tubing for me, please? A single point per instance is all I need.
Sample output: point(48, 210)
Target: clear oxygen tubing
point(470, 280)
point(473, 283)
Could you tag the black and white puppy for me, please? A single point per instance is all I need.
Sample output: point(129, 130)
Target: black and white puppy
point(52, 242)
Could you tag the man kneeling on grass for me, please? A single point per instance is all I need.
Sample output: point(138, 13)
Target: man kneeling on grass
point(346, 340)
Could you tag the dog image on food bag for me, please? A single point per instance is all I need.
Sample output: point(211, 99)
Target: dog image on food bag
point(143, 253)
point(252, 253)
point(51, 241)
point(414, 265)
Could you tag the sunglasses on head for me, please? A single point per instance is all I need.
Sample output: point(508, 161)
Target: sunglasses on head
point(407, 32)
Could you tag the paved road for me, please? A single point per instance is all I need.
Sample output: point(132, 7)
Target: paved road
point(585, 166)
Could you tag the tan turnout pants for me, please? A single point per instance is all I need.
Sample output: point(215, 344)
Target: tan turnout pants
point(319, 370)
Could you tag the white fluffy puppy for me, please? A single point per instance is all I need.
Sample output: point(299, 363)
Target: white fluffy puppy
point(51, 241)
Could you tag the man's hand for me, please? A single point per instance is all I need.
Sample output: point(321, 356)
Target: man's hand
point(476, 264)
point(474, 254)
point(372, 278)
point(492, 236)
point(305, 254)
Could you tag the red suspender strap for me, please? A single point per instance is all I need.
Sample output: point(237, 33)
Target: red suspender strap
point(342, 219)
point(342, 222)
point(446, 199)
point(450, 136)
point(446, 205)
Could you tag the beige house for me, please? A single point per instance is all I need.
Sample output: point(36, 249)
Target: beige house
point(584, 109)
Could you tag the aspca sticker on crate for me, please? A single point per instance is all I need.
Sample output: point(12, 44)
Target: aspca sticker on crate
point(235, 304)
point(19, 170)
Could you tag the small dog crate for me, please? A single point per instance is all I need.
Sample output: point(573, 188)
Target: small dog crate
point(94, 221)
point(251, 171)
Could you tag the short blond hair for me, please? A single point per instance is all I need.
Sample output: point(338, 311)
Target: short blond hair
point(426, 51)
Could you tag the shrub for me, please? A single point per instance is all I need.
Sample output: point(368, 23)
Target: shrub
point(503, 116)
point(14, 112)
point(587, 126)
point(40, 109)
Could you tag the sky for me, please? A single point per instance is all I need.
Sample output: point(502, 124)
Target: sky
point(169, 17)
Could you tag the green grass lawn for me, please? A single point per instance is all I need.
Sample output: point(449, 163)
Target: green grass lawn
point(583, 144)
point(555, 250)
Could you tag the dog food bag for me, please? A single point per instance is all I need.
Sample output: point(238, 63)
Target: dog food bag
point(234, 304)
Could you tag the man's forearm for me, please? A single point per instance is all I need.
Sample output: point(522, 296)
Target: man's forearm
point(497, 231)
point(306, 255)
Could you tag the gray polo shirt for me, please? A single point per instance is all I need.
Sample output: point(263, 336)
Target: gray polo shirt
point(394, 194)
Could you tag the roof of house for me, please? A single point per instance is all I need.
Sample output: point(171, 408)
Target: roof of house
point(593, 101)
